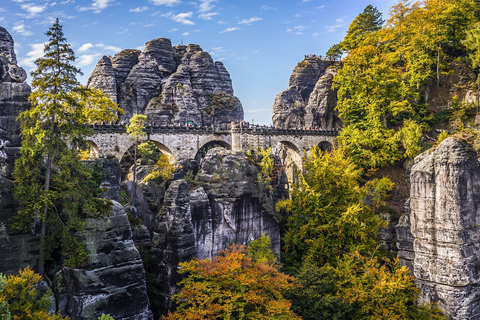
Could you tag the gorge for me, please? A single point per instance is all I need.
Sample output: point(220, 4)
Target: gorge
point(230, 182)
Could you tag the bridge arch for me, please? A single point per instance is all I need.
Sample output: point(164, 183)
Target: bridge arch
point(202, 151)
point(325, 146)
point(92, 151)
point(126, 156)
point(291, 156)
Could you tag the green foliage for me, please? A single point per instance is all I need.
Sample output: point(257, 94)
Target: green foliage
point(105, 317)
point(369, 21)
point(329, 216)
point(162, 172)
point(380, 289)
point(316, 297)
point(149, 151)
point(266, 166)
point(260, 250)
point(136, 127)
point(232, 286)
point(335, 51)
point(19, 298)
point(51, 184)
point(381, 82)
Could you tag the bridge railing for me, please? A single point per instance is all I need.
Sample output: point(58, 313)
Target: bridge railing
point(224, 128)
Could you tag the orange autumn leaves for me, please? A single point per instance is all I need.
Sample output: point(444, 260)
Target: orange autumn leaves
point(232, 286)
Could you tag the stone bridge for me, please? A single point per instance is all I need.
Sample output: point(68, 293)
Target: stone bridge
point(182, 142)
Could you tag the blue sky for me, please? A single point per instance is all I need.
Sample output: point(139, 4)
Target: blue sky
point(259, 41)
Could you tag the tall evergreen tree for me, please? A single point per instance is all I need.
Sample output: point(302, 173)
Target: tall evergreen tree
point(51, 183)
point(136, 132)
point(367, 22)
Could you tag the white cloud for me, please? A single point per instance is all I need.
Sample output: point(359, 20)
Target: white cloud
point(340, 23)
point(297, 30)
point(20, 28)
point(297, 15)
point(266, 7)
point(180, 18)
point(249, 21)
point(86, 59)
point(303, 1)
point(173, 30)
point(138, 9)
point(185, 33)
point(97, 6)
point(32, 10)
point(208, 15)
point(87, 46)
point(168, 3)
point(35, 53)
point(215, 52)
point(222, 22)
point(230, 30)
point(206, 5)
point(321, 7)
point(111, 48)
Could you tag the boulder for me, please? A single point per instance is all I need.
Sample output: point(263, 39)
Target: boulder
point(7, 46)
point(309, 101)
point(320, 111)
point(113, 279)
point(171, 85)
point(103, 76)
point(17, 251)
point(445, 225)
point(240, 209)
point(226, 206)
point(173, 239)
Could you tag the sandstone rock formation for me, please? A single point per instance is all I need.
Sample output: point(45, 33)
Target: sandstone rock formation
point(16, 251)
point(226, 206)
point(172, 85)
point(309, 101)
point(445, 225)
point(113, 280)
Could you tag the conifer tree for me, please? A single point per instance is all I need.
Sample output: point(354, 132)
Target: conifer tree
point(53, 131)
point(136, 133)
point(369, 21)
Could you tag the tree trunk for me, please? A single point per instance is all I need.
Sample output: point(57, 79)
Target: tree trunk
point(438, 66)
point(134, 172)
point(43, 231)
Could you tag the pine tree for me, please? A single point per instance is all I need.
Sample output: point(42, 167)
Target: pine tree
point(367, 22)
point(136, 133)
point(51, 183)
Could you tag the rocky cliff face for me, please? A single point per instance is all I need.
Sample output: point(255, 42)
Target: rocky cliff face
point(113, 280)
point(226, 206)
point(172, 85)
point(445, 225)
point(309, 101)
point(16, 251)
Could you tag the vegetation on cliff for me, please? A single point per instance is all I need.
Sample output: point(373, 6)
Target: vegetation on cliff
point(51, 184)
point(233, 286)
point(381, 87)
